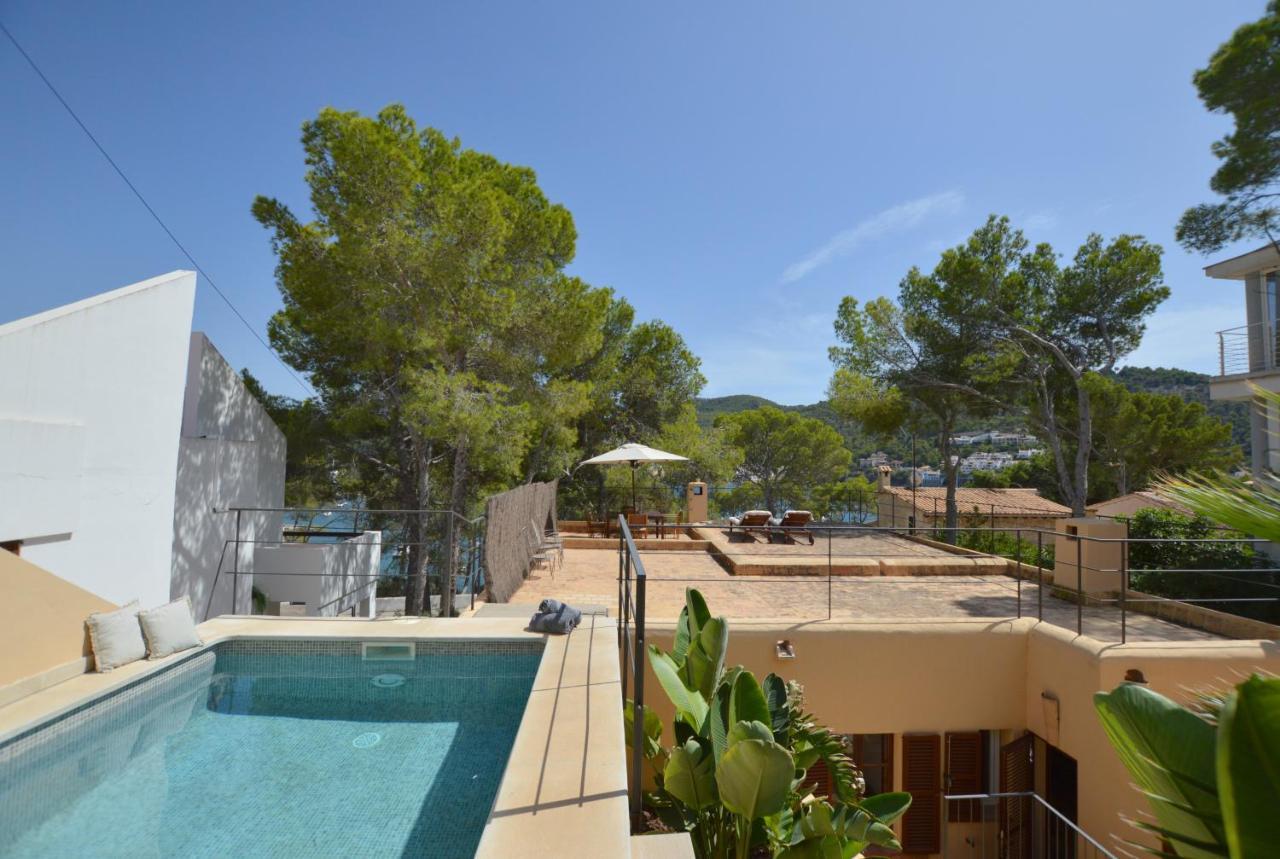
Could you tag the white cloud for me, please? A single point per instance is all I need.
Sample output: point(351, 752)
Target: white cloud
point(1039, 222)
point(903, 216)
point(1184, 337)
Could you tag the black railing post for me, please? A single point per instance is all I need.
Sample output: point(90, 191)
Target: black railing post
point(637, 756)
point(829, 572)
point(1079, 584)
point(1124, 590)
point(1017, 550)
point(1039, 574)
point(622, 549)
point(235, 570)
point(451, 569)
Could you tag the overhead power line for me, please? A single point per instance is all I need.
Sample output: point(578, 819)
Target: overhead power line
point(143, 200)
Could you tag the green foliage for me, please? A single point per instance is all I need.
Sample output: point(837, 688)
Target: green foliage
point(1241, 80)
point(1005, 545)
point(1218, 557)
point(427, 302)
point(1138, 435)
point(734, 777)
point(1194, 388)
point(913, 362)
point(643, 380)
point(785, 457)
point(1056, 329)
point(1214, 789)
point(845, 500)
point(982, 479)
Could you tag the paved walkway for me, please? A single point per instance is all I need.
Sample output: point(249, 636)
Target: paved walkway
point(591, 576)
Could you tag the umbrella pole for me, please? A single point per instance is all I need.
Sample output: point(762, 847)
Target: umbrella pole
point(633, 485)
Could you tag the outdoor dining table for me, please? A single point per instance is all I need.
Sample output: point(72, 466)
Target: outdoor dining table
point(659, 521)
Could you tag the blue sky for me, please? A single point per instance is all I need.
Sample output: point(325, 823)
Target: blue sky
point(733, 168)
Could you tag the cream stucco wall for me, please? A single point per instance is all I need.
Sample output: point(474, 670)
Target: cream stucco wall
point(907, 677)
point(41, 620)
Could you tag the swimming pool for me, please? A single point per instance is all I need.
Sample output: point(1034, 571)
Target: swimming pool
point(275, 748)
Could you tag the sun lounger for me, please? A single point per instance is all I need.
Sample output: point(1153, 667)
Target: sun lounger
point(793, 524)
point(750, 523)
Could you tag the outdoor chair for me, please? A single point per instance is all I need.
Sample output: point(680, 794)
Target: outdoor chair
point(551, 542)
point(750, 523)
point(639, 524)
point(597, 527)
point(539, 554)
point(794, 523)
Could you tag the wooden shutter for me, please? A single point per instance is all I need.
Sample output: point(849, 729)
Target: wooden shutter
point(964, 776)
point(1017, 775)
point(922, 778)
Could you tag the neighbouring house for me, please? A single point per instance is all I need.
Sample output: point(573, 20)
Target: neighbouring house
point(1132, 502)
point(985, 462)
point(1247, 354)
point(125, 438)
point(925, 507)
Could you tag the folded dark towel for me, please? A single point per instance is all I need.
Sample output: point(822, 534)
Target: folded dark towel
point(555, 617)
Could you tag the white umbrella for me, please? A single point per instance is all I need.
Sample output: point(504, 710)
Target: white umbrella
point(633, 454)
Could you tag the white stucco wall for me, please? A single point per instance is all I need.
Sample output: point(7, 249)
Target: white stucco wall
point(231, 455)
point(348, 574)
point(91, 401)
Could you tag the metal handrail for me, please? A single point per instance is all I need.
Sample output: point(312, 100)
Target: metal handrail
point(473, 563)
point(631, 611)
point(1044, 803)
point(1248, 348)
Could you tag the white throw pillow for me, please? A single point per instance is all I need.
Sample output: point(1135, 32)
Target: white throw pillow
point(115, 637)
point(169, 629)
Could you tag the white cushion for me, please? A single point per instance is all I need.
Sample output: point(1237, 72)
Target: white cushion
point(758, 513)
point(115, 637)
point(169, 629)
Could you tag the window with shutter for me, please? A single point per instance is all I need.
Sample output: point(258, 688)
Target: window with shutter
point(873, 755)
point(964, 776)
point(922, 778)
point(817, 779)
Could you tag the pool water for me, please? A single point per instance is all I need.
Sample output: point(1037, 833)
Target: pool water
point(276, 749)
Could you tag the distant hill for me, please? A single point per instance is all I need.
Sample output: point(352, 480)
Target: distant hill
point(710, 408)
point(1156, 380)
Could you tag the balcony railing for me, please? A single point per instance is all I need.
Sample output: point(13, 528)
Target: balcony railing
point(1017, 826)
point(1248, 348)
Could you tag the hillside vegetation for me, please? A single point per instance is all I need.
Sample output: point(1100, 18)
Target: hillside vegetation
point(1191, 386)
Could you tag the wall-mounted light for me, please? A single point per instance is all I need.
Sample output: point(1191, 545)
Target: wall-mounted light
point(1052, 713)
point(785, 649)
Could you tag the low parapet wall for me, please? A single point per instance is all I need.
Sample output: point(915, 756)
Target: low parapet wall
point(42, 632)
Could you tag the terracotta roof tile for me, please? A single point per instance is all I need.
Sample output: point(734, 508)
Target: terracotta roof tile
point(1008, 502)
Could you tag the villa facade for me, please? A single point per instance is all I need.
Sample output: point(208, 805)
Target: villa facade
point(1247, 354)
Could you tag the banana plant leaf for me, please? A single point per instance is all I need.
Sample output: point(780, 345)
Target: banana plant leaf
point(1169, 751)
point(747, 702)
point(775, 694)
point(652, 728)
point(887, 807)
point(749, 731)
point(694, 614)
point(754, 778)
point(1248, 761)
point(691, 707)
point(704, 661)
point(690, 775)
